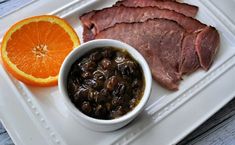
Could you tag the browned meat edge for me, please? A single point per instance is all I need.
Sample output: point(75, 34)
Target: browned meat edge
point(186, 9)
point(108, 17)
point(182, 8)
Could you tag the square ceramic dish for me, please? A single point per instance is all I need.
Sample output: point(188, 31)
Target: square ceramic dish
point(38, 115)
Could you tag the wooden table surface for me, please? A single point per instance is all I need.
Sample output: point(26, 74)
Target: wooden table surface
point(218, 130)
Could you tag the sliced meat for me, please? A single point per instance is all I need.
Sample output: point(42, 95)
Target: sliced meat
point(173, 44)
point(189, 60)
point(108, 17)
point(182, 8)
point(159, 41)
point(186, 9)
point(87, 34)
point(85, 19)
point(207, 44)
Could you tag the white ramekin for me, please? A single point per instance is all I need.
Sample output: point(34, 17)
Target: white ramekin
point(99, 124)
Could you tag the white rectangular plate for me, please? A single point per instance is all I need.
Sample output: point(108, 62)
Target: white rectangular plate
point(38, 116)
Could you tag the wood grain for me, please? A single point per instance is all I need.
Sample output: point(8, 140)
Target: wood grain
point(4, 137)
point(218, 130)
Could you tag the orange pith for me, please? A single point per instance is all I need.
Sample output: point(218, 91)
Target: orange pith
point(34, 49)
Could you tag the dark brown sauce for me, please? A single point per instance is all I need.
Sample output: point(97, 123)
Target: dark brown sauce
point(105, 83)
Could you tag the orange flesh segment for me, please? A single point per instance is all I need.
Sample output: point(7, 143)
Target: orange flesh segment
point(57, 44)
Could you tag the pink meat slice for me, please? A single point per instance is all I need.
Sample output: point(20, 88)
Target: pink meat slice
point(186, 9)
point(183, 8)
point(159, 41)
point(189, 61)
point(85, 19)
point(207, 45)
point(108, 17)
point(197, 47)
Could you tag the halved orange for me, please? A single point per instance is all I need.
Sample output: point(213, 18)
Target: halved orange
point(34, 49)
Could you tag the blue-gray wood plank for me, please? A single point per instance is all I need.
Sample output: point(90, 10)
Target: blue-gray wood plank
point(218, 130)
point(4, 137)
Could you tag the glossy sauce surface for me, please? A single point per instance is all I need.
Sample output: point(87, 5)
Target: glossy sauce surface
point(105, 83)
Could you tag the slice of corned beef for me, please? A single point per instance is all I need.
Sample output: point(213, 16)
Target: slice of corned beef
point(207, 45)
point(186, 9)
point(189, 61)
point(85, 19)
point(108, 17)
point(183, 8)
point(159, 41)
point(199, 44)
